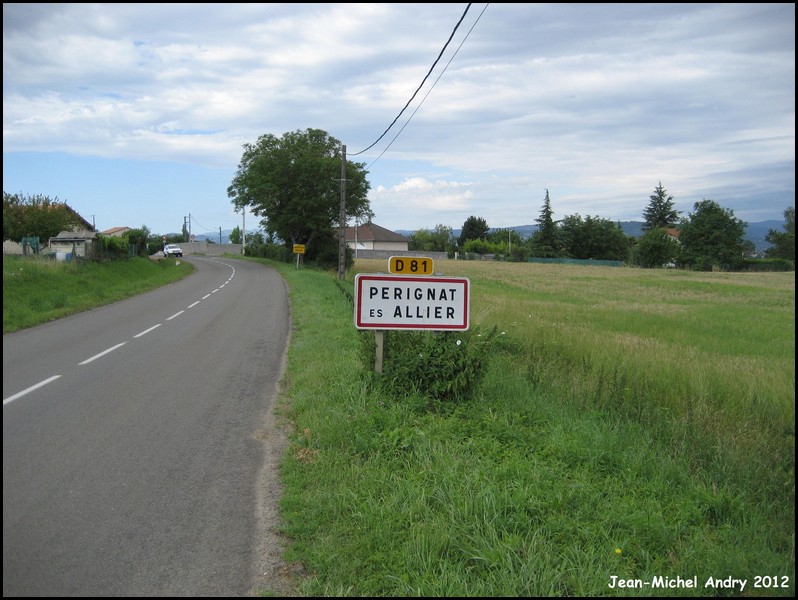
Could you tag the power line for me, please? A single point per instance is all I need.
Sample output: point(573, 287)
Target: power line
point(420, 86)
point(430, 89)
point(198, 223)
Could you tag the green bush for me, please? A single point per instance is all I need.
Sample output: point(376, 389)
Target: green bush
point(480, 247)
point(113, 247)
point(324, 252)
point(277, 252)
point(442, 366)
point(768, 264)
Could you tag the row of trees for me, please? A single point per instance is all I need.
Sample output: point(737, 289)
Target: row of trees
point(709, 237)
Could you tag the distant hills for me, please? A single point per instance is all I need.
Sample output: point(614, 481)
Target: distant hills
point(754, 232)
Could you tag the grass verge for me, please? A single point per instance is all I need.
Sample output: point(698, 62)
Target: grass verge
point(37, 290)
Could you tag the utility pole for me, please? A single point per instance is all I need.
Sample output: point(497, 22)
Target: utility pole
point(244, 229)
point(342, 219)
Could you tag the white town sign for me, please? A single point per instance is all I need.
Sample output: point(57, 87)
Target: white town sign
point(407, 302)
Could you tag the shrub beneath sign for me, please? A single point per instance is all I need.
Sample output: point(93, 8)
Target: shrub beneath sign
point(443, 366)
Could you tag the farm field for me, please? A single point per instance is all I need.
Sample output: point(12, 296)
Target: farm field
point(633, 425)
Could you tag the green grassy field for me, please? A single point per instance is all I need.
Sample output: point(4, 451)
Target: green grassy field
point(39, 290)
point(633, 427)
point(633, 424)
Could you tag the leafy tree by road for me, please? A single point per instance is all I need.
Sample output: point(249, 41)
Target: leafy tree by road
point(660, 214)
point(139, 239)
point(37, 215)
point(712, 236)
point(294, 183)
point(783, 242)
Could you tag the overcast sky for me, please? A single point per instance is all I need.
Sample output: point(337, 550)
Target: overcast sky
point(136, 114)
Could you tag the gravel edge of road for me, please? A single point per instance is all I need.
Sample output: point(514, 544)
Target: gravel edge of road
point(272, 575)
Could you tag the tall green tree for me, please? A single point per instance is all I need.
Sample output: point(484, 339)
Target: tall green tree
point(783, 242)
point(235, 235)
point(474, 228)
point(712, 236)
point(660, 214)
point(545, 241)
point(294, 183)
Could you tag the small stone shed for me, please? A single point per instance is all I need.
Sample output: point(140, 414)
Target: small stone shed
point(69, 245)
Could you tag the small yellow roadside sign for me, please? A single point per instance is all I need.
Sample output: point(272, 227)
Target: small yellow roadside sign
point(299, 248)
point(410, 265)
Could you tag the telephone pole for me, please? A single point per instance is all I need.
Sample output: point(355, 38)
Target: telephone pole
point(342, 219)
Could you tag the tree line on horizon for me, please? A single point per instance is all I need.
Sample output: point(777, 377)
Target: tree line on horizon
point(710, 237)
point(301, 185)
point(294, 183)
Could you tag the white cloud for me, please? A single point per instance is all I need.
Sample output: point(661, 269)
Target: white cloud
point(597, 103)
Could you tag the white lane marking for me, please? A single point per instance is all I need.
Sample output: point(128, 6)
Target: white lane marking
point(112, 348)
point(30, 389)
point(146, 331)
point(103, 353)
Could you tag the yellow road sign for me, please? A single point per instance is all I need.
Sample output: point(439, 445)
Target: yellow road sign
point(410, 265)
point(299, 248)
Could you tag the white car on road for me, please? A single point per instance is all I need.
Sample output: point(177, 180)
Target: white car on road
point(172, 250)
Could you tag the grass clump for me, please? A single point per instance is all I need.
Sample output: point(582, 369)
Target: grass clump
point(440, 366)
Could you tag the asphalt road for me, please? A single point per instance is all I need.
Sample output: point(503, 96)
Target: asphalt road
point(132, 439)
